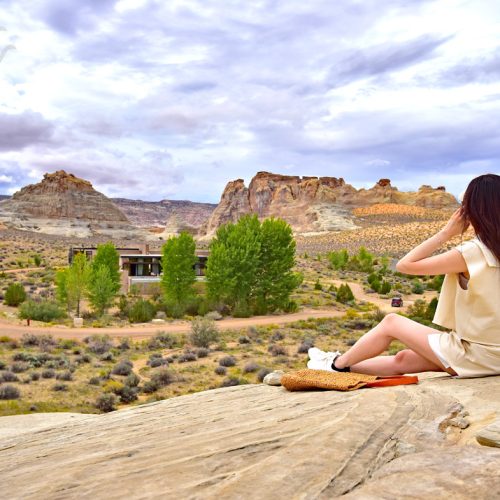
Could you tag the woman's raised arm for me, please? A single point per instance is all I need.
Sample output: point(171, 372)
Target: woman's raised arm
point(418, 262)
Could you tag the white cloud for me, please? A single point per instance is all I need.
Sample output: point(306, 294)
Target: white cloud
point(398, 89)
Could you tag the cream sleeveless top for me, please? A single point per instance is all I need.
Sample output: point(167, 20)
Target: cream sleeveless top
point(474, 312)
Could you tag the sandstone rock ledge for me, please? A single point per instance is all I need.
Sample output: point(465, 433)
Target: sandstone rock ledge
point(257, 441)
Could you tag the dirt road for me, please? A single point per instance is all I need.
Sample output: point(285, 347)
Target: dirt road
point(140, 332)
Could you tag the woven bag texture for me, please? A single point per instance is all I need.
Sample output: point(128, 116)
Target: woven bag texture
point(321, 379)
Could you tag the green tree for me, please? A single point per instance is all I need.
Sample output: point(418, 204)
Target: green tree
point(107, 256)
point(276, 279)
point(72, 283)
point(344, 294)
point(431, 309)
point(385, 287)
point(233, 265)
point(101, 289)
point(179, 275)
point(338, 260)
point(417, 287)
point(15, 294)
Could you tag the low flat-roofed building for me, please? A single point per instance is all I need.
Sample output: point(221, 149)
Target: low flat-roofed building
point(140, 267)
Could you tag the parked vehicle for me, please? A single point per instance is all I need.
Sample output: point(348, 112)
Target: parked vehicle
point(397, 302)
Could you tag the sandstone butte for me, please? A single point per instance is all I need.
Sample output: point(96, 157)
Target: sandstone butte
point(311, 204)
point(65, 205)
point(259, 442)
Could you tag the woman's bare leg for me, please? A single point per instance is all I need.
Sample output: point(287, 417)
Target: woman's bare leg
point(392, 327)
point(406, 361)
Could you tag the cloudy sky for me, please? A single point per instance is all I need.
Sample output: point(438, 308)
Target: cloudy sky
point(157, 99)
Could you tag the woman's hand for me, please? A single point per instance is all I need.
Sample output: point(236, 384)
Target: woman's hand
point(456, 225)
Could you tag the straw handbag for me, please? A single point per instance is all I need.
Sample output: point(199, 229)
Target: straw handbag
point(301, 380)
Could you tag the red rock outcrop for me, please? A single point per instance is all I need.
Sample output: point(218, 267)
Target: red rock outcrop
point(311, 204)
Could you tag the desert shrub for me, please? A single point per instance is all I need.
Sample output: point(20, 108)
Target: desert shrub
point(187, 356)
point(377, 315)
point(9, 392)
point(162, 377)
point(49, 373)
point(244, 340)
point(124, 344)
point(132, 380)
point(165, 340)
point(290, 306)
point(150, 386)
point(99, 344)
point(214, 315)
point(66, 376)
point(34, 376)
point(251, 367)
point(142, 311)
point(7, 376)
point(277, 336)
point(60, 387)
point(107, 356)
point(230, 382)
point(262, 373)
point(277, 350)
point(157, 361)
point(2, 365)
point(84, 358)
point(37, 260)
point(306, 344)
point(127, 394)
point(29, 340)
point(122, 368)
point(227, 361)
point(19, 367)
point(318, 285)
point(94, 381)
point(202, 352)
point(43, 310)
point(203, 332)
point(106, 402)
point(220, 370)
point(15, 294)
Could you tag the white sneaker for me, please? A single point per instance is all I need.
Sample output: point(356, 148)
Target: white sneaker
point(320, 360)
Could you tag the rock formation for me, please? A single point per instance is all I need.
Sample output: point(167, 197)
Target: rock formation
point(170, 215)
point(257, 441)
point(313, 203)
point(66, 205)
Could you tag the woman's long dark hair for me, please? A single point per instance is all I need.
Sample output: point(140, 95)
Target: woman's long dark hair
point(481, 207)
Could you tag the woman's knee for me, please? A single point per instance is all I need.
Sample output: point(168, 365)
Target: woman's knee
point(402, 358)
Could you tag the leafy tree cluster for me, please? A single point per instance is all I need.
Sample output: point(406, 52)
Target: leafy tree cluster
point(15, 294)
point(422, 312)
point(378, 284)
point(179, 275)
point(98, 281)
point(362, 261)
point(250, 266)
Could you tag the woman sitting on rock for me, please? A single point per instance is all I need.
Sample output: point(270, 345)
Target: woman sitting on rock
point(469, 302)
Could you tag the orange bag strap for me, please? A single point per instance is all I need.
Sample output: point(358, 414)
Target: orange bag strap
point(393, 380)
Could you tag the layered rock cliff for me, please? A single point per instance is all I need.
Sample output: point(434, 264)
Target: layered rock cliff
point(311, 204)
point(256, 441)
point(173, 215)
point(64, 204)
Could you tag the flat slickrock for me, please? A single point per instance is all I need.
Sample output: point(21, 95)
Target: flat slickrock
point(490, 435)
point(258, 441)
